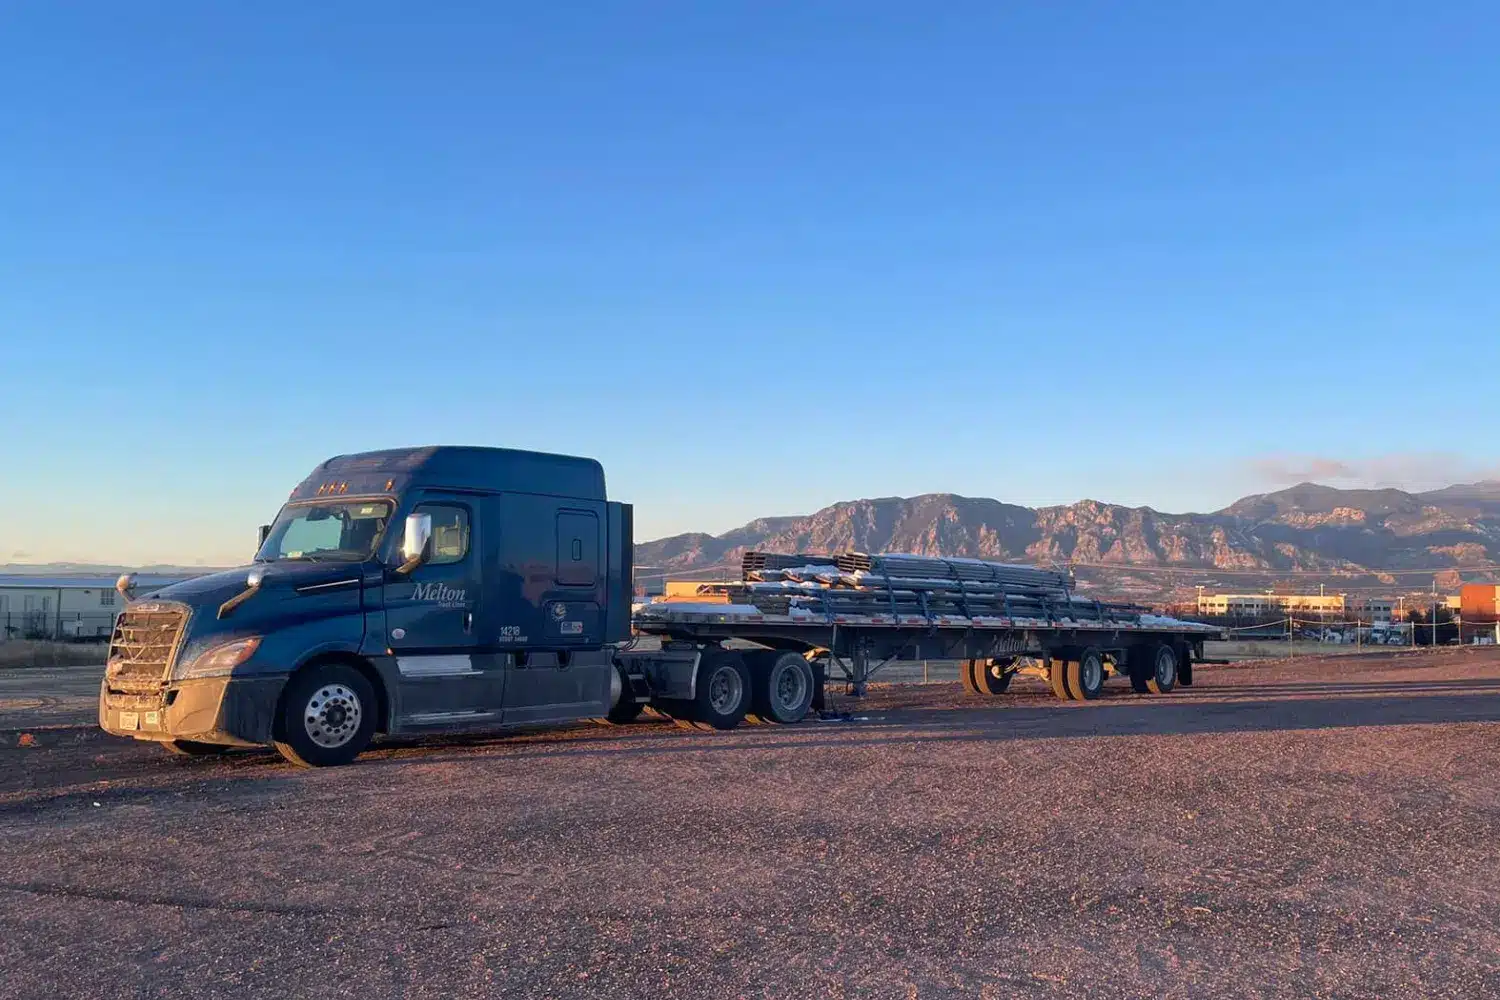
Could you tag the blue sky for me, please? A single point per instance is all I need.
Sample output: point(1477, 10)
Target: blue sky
point(755, 257)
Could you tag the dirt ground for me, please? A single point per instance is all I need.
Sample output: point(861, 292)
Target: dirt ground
point(1321, 828)
point(25, 654)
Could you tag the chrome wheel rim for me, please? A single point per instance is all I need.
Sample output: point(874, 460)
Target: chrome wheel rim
point(332, 716)
point(1165, 667)
point(790, 688)
point(725, 689)
point(1093, 673)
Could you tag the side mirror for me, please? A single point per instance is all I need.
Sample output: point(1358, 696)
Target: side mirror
point(416, 542)
point(126, 586)
point(265, 532)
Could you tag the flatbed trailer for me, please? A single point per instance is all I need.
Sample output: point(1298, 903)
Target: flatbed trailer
point(1074, 656)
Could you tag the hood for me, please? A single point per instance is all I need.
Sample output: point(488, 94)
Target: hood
point(292, 597)
point(287, 577)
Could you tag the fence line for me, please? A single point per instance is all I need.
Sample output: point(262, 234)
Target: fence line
point(49, 625)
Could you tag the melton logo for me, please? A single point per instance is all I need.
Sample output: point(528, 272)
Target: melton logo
point(440, 594)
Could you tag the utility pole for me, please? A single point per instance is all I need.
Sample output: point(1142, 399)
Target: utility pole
point(1434, 612)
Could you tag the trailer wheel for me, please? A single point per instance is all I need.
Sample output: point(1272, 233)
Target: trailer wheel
point(1057, 676)
point(1085, 675)
point(992, 677)
point(327, 716)
point(723, 691)
point(192, 748)
point(966, 671)
point(784, 688)
point(1163, 677)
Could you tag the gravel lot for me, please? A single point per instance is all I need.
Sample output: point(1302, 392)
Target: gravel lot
point(1321, 828)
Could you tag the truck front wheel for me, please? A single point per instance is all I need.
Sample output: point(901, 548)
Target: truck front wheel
point(327, 716)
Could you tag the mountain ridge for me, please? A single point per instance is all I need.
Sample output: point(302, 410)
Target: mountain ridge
point(1304, 529)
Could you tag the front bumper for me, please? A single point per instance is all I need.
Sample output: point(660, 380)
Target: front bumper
point(236, 711)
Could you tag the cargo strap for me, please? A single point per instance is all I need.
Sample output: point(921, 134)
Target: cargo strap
point(890, 591)
point(963, 590)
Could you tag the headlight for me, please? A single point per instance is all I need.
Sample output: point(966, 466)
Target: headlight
point(220, 660)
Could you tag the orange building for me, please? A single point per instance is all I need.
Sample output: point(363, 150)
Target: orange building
point(1477, 601)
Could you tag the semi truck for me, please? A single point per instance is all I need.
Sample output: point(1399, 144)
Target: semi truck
point(453, 588)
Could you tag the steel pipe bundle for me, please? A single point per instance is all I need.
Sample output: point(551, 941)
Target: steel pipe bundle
point(975, 570)
point(754, 562)
point(905, 585)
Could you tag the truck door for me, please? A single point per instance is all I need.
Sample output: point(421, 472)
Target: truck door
point(550, 557)
point(446, 678)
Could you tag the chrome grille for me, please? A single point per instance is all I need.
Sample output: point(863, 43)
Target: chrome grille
point(143, 646)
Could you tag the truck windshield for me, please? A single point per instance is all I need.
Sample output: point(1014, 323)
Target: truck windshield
point(343, 530)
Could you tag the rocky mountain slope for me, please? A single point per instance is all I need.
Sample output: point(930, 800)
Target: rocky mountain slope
point(1373, 535)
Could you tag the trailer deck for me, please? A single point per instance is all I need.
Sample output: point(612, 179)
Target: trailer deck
point(858, 646)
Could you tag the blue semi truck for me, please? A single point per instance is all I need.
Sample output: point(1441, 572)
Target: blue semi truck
point(447, 589)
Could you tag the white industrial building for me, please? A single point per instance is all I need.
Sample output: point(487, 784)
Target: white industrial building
point(59, 607)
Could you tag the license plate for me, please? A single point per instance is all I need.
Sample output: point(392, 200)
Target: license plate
point(130, 720)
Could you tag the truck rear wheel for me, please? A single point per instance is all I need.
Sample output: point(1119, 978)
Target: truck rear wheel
point(784, 688)
point(991, 677)
point(327, 716)
point(1085, 675)
point(723, 691)
point(1163, 677)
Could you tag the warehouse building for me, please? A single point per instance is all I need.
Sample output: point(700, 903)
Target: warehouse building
point(66, 608)
point(1374, 609)
point(1259, 605)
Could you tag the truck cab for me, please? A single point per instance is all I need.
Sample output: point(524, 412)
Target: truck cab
point(406, 591)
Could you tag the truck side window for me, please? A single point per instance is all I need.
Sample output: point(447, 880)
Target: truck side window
point(450, 532)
